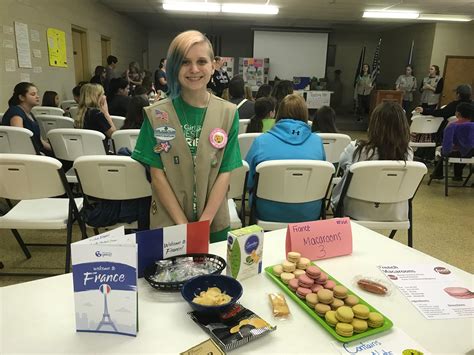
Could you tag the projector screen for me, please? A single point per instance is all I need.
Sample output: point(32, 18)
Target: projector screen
point(292, 53)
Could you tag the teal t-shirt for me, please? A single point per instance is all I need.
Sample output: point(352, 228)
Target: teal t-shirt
point(191, 119)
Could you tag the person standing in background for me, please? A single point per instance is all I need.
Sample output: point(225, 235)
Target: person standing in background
point(364, 87)
point(407, 83)
point(220, 78)
point(110, 70)
point(431, 88)
point(161, 83)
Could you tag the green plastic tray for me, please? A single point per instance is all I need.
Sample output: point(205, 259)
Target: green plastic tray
point(371, 331)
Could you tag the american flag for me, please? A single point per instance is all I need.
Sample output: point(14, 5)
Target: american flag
point(376, 62)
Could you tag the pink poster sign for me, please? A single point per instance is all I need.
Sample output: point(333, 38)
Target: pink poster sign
point(320, 239)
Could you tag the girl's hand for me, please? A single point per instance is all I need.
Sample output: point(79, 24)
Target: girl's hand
point(103, 104)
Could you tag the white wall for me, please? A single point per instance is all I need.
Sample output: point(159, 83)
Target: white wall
point(128, 40)
point(452, 39)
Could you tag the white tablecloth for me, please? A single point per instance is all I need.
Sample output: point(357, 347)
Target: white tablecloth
point(38, 317)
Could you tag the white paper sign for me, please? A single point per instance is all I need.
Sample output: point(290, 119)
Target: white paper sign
point(35, 36)
point(37, 70)
point(37, 53)
point(10, 65)
point(393, 342)
point(22, 45)
point(25, 77)
point(8, 30)
point(433, 290)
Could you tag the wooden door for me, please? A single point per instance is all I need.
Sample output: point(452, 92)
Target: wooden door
point(81, 56)
point(457, 70)
point(106, 51)
point(77, 51)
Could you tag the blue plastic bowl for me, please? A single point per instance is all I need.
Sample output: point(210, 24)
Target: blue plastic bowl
point(227, 284)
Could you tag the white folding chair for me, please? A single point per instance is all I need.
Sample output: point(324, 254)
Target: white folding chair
point(46, 110)
point(71, 143)
point(49, 122)
point(424, 125)
point(118, 121)
point(334, 144)
point(125, 138)
point(17, 140)
point(237, 188)
point(243, 123)
point(37, 181)
point(112, 177)
point(452, 119)
point(291, 181)
point(382, 182)
point(245, 142)
point(73, 110)
point(67, 104)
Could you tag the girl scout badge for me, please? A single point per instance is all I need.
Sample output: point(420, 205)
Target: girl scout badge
point(163, 136)
point(161, 115)
point(218, 138)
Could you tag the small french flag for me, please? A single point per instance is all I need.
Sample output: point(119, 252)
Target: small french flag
point(162, 243)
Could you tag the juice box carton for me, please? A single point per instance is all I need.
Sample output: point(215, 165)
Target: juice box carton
point(244, 252)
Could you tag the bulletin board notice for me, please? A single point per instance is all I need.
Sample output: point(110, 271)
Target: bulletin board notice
point(57, 48)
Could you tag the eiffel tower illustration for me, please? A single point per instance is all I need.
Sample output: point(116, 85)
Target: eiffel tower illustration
point(106, 320)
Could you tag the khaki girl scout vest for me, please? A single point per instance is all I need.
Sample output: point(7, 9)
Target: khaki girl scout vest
point(428, 96)
point(178, 162)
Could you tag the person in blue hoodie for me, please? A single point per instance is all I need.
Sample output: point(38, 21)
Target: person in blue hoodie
point(289, 138)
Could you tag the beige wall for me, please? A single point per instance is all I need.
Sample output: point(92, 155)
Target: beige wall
point(452, 39)
point(128, 40)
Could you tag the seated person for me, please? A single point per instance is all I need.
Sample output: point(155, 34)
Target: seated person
point(289, 138)
point(93, 111)
point(325, 121)
point(118, 99)
point(25, 97)
point(237, 96)
point(388, 139)
point(458, 140)
point(264, 118)
point(463, 94)
point(50, 99)
point(134, 118)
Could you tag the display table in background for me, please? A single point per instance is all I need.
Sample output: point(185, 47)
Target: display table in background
point(38, 316)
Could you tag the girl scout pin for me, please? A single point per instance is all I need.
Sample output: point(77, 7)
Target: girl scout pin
point(218, 138)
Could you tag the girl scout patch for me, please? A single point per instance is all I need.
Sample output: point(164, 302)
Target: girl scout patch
point(218, 138)
point(162, 147)
point(164, 133)
point(161, 115)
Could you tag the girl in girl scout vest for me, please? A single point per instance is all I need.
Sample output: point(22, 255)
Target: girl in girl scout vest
point(190, 142)
point(431, 88)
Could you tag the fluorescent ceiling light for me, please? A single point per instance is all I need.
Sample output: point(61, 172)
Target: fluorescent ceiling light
point(439, 17)
point(391, 14)
point(192, 6)
point(250, 9)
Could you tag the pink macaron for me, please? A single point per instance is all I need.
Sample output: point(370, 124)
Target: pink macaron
point(293, 284)
point(301, 292)
point(305, 281)
point(316, 288)
point(322, 279)
point(313, 271)
point(329, 284)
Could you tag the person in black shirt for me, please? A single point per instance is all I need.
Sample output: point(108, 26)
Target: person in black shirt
point(220, 78)
point(118, 99)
